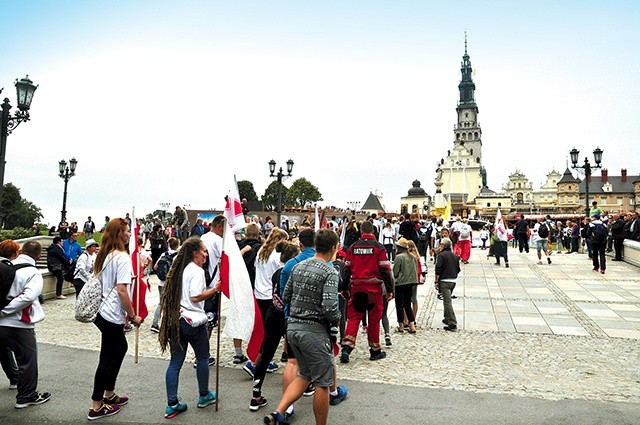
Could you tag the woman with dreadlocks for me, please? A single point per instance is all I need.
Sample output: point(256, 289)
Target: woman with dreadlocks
point(185, 322)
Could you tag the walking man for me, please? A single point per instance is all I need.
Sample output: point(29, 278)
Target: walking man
point(312, 295)
point(541, 234)
point(597, 232)
point(447, 269)
point(17, 324)
point(366, 269)
point(88, 228)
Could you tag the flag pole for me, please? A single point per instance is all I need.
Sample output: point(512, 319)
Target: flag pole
point(218, 352)
point(137, 304)
point(218, 304)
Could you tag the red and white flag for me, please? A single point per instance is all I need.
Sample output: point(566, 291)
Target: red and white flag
point(233, 209)
point(244, 320)
point(139, 292)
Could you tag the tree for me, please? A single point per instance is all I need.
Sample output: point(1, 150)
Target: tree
point(245, 187)
point(16, 211)
point(270, 197)
point(302, 192)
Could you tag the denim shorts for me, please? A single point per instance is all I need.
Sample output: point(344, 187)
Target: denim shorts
point(541, 245)
point(314, 353)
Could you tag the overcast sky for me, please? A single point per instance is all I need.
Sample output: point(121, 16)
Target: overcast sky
point(164, 101)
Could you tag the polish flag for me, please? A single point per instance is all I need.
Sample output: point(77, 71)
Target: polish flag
point(244, 320)
point(233, 209)
point(139, 293)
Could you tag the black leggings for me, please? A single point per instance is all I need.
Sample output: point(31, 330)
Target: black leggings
point(274, 330)
point(113, 347)
point(403, 303)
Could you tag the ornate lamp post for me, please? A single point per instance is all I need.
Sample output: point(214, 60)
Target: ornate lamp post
point(66, 172)
point(24, 91)
point(587, 167)
point(280, 176)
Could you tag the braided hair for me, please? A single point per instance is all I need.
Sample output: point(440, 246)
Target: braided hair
point(172, 294)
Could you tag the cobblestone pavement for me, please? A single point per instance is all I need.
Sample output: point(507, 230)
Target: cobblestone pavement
point(558, 331)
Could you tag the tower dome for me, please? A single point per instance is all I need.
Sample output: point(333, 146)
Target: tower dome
point(416, 190)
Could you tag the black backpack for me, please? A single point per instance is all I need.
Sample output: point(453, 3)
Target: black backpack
point(423, 233)
point(7, 274)
point(599, 232)
point(543, 231)
point(164, 264)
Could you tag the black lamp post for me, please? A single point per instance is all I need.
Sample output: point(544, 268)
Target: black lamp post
point(280, 176)
point(597, 156)
point(66, 172)
point(24, 91)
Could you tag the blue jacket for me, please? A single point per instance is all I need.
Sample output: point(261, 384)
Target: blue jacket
point(72, 250)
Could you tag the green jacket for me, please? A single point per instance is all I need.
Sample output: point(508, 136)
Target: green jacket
point(405, 269)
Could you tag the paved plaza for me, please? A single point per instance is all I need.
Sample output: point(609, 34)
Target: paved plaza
point(558, 332)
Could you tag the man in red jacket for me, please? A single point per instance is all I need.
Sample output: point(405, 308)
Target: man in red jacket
point(366, 269)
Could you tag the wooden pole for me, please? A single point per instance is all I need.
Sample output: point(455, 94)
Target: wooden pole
point(137, 302)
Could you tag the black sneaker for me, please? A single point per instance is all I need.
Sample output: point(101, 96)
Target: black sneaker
point(450, 328)
point(377, 355)
point(387, 340)
point(273, 418)
point(38, 398)
point(344, 356)
point(284, 357)
point(310, 390)
point(548, 260)
point(257, 404)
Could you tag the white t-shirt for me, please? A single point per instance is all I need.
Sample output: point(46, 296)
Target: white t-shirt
point(213, 243)
point(117, 270)
point(263, 288)
point(193, 284)
point(462, 231)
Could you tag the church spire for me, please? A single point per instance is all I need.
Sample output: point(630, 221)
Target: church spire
point(467, 87)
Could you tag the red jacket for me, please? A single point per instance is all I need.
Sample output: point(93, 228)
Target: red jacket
point(367, 267)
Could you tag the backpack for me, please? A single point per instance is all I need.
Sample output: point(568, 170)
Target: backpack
point(7, 274)
point(464, 232)
point(599, 232)
point(423, 233)
point(89, 300)
point(543, 231)
point(164, 264)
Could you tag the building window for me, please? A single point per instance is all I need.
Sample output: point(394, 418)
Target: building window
point(488, 204)
point(620, 201)
point(499, 204)
point(603, 199)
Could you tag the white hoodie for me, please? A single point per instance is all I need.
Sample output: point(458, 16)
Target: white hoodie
point(24, 310)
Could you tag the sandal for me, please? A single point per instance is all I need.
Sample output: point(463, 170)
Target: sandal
point(400, 330)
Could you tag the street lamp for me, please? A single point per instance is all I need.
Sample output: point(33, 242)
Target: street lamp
point(66, 172)
point(280, 176)
point(24, 94)
point(587, 167)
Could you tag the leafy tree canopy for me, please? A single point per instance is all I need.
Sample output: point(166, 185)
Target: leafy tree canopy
point(270, 197)
point(245, 187)
point(302, 193)
point(16, 211)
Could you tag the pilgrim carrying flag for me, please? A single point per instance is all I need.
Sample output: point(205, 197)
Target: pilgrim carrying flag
point(244, 320)
point(138, 295)
point(233, 209)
